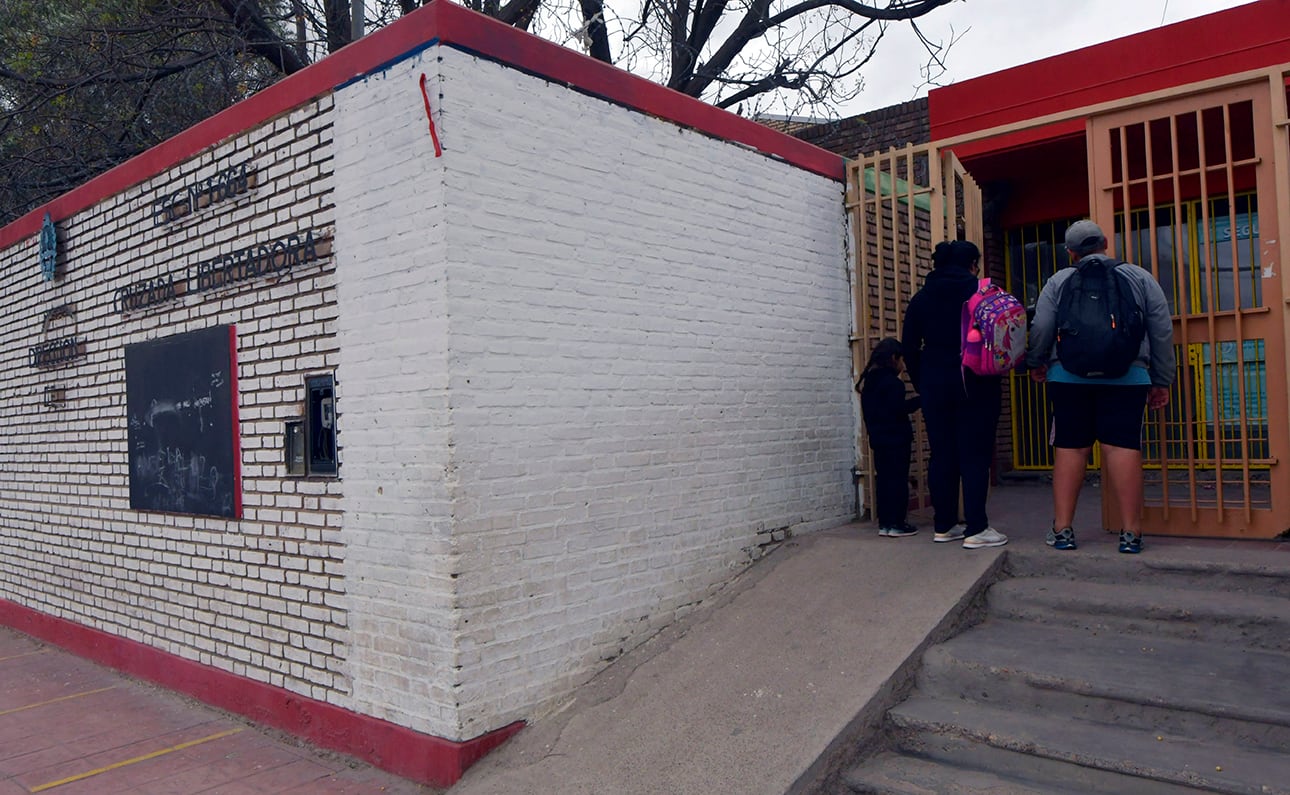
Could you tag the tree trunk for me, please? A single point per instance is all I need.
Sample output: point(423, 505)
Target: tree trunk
point(336, 13)
point(262, 39)
point(593, 14)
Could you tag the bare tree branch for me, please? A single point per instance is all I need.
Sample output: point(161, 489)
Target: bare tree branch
point(338, 19)
point(695, 82)
point(261, 39)
point(798, 79)
point(96, 83)
point(706, 17)
point(519, 13)
point(896, 11)
point(103, 78)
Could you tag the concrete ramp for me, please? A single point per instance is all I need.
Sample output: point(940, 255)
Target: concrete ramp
point(766, 687)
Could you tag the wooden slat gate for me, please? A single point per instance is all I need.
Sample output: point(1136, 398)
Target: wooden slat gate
point(901, 203)
point(1196, 187)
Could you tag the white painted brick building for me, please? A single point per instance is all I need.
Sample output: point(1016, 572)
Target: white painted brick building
point(588, 363)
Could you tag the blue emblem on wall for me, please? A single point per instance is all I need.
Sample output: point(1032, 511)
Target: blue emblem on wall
point(48, 248)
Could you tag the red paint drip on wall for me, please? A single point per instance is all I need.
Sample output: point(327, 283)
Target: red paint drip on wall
point(434, 136)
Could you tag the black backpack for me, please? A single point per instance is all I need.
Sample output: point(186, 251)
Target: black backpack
point(1099, 323)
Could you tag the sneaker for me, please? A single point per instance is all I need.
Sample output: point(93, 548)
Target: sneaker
point(953, 534)
point(1130, 543)
point(988, 537)
point(1061, 539)
point(904, 531)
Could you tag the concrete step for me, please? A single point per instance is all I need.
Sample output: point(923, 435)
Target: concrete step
point(900, 774)
point(1096, 672)
point(1083, 755)
point(1183, 688)
point(1248, 570)
point(1229, 617)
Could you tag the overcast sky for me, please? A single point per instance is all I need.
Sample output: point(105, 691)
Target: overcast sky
point(998, 34)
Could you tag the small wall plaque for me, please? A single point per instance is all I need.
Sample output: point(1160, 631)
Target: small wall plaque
point(55, 397)
point(48, 248)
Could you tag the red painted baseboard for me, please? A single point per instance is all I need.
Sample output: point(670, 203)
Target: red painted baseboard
point(397, 749)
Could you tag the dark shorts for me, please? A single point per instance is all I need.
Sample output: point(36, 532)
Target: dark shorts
point(1107, 413)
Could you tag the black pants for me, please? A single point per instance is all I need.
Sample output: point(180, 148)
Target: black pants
point(891, 483)
point(960, 418)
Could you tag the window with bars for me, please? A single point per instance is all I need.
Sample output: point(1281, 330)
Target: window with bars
point(1195, 270)
point(1218, 268)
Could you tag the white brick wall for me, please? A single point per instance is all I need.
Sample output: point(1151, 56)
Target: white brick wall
point(649, 373)
point(588, 365)
point(393, 387)
point(259, 597)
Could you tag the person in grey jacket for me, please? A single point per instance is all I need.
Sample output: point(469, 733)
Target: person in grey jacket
point(1106, 410)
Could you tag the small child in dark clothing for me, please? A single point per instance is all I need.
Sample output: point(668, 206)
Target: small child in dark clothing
point(886, 413)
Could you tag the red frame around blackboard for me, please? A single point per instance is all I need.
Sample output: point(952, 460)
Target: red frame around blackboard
point(237, 423)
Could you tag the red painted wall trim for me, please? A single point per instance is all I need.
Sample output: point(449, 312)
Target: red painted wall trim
point(237, 437)
point(1226, 42)
point(399, 750)
point(450, 24)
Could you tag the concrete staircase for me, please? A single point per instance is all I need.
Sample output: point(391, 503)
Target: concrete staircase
point(1094, 672)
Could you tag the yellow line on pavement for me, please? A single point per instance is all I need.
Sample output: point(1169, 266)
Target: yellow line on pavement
point(24, 654)
point(144, 758)
point(54, 700)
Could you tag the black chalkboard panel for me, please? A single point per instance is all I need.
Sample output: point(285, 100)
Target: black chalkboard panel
point(181, 400)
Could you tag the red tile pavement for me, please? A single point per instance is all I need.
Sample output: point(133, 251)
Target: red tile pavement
point(70, 727)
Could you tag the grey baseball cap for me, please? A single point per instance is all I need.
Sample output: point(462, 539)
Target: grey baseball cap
point(1085, 237)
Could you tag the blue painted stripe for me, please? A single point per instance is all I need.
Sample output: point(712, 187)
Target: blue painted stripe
point(387, 64)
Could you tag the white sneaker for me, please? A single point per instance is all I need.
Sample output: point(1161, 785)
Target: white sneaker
point(988, 537)
point(953, 534)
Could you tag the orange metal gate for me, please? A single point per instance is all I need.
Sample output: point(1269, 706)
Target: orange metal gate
point(901, 203)
point(1194, 187)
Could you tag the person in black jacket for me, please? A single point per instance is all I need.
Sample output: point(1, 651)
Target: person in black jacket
point(886, 413)
point(960, 408)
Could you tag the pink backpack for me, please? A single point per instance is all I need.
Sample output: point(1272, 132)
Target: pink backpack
point(993, 330)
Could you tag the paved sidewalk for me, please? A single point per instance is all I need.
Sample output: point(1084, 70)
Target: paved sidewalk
point(760, 689)
point(70, 727)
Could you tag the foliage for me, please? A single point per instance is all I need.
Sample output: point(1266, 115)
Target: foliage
point(85, 86)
